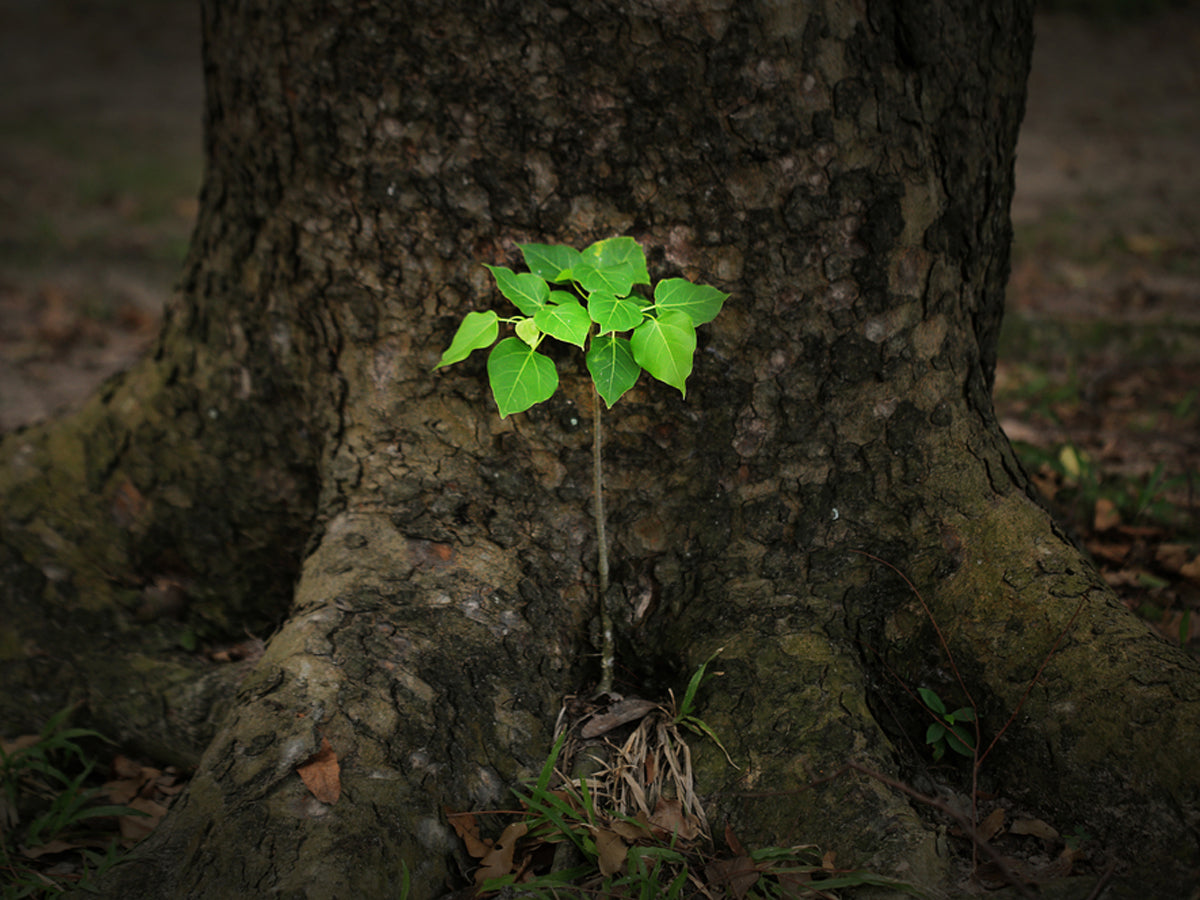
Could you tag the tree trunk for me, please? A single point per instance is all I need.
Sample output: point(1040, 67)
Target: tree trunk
point(286, 458)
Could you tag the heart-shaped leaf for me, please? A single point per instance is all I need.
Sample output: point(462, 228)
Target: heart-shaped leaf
point(520, 376)
point(615, 280)
point(527, 291)
point(528, 331)
point(567, 320)
point(478, 330)
point(699, 302)
point(664, 346)
point(550, 261)
point(614, 370)
point(614, 313)
point(622, 253)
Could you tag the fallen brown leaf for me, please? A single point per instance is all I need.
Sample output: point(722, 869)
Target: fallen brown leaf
point(630, 831)
point(321, 774)
point(1191, 571)
point(48, 848)
point(991, 826)
point(617, 714)
point(19, 743)
point(670, 818)
point(1171, 557)
point(498, 861)
point(124, 767)
point(1109, 552)
point(135, 828)
point(610, 850)
point(1035, 827)
point(467, 828)
point(1106, 515)
point(736, 875)
point(734, 844)
point(795, 885)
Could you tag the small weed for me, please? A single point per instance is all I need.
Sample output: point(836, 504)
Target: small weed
point(685, 714)
point(635, 829)
point(44, 804)
point(945, 731)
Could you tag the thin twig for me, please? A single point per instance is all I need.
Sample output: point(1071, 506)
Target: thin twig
point(1036, 675)
point(968, 828)
point(932, 621)
point(1109, 872)
point(975, 758)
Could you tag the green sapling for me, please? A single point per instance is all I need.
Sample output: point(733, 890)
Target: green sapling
point(587, 299)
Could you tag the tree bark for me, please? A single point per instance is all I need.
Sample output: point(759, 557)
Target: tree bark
point(286, 459)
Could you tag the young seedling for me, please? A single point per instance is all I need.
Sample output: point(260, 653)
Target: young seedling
point(945, 731)
point(587, 299)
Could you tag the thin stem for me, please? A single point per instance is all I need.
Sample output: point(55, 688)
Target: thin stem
point(607, 647)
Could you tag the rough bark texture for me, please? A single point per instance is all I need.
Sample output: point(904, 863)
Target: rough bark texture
point(845, 171)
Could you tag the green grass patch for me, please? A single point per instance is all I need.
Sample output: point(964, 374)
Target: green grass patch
point(49, 808)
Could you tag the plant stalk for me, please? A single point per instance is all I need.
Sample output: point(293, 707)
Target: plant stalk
point(607, 643)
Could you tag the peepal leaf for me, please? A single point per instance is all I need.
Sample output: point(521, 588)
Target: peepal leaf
point(614, 313)
point(528, 331)
point(528, 292)
point(614, 370)
point(551, 261)
point(623, 253)
point(616, 280)
point(321, 774)
point(478, 330)
point(664, 346)
point(520, 376)
point(566, 320)
point(699, 302)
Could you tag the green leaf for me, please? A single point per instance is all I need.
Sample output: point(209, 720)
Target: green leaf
point(478, 330)
point(527, 291)
point(566, 320)
point(615, 280)
point(550, 261)
point(966, 714)
point(699, 302)
point(934, 733)
point(698, 678)
point(932, 700)
point(619, 253)
point(614, 313)
point(960, 742)
point(520, 376)
point(547, 772)
point(614, 370)
point(528, 331)
point(702, 728)
point(663, 346)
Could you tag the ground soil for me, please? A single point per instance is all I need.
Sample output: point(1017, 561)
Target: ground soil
point(100, 160)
